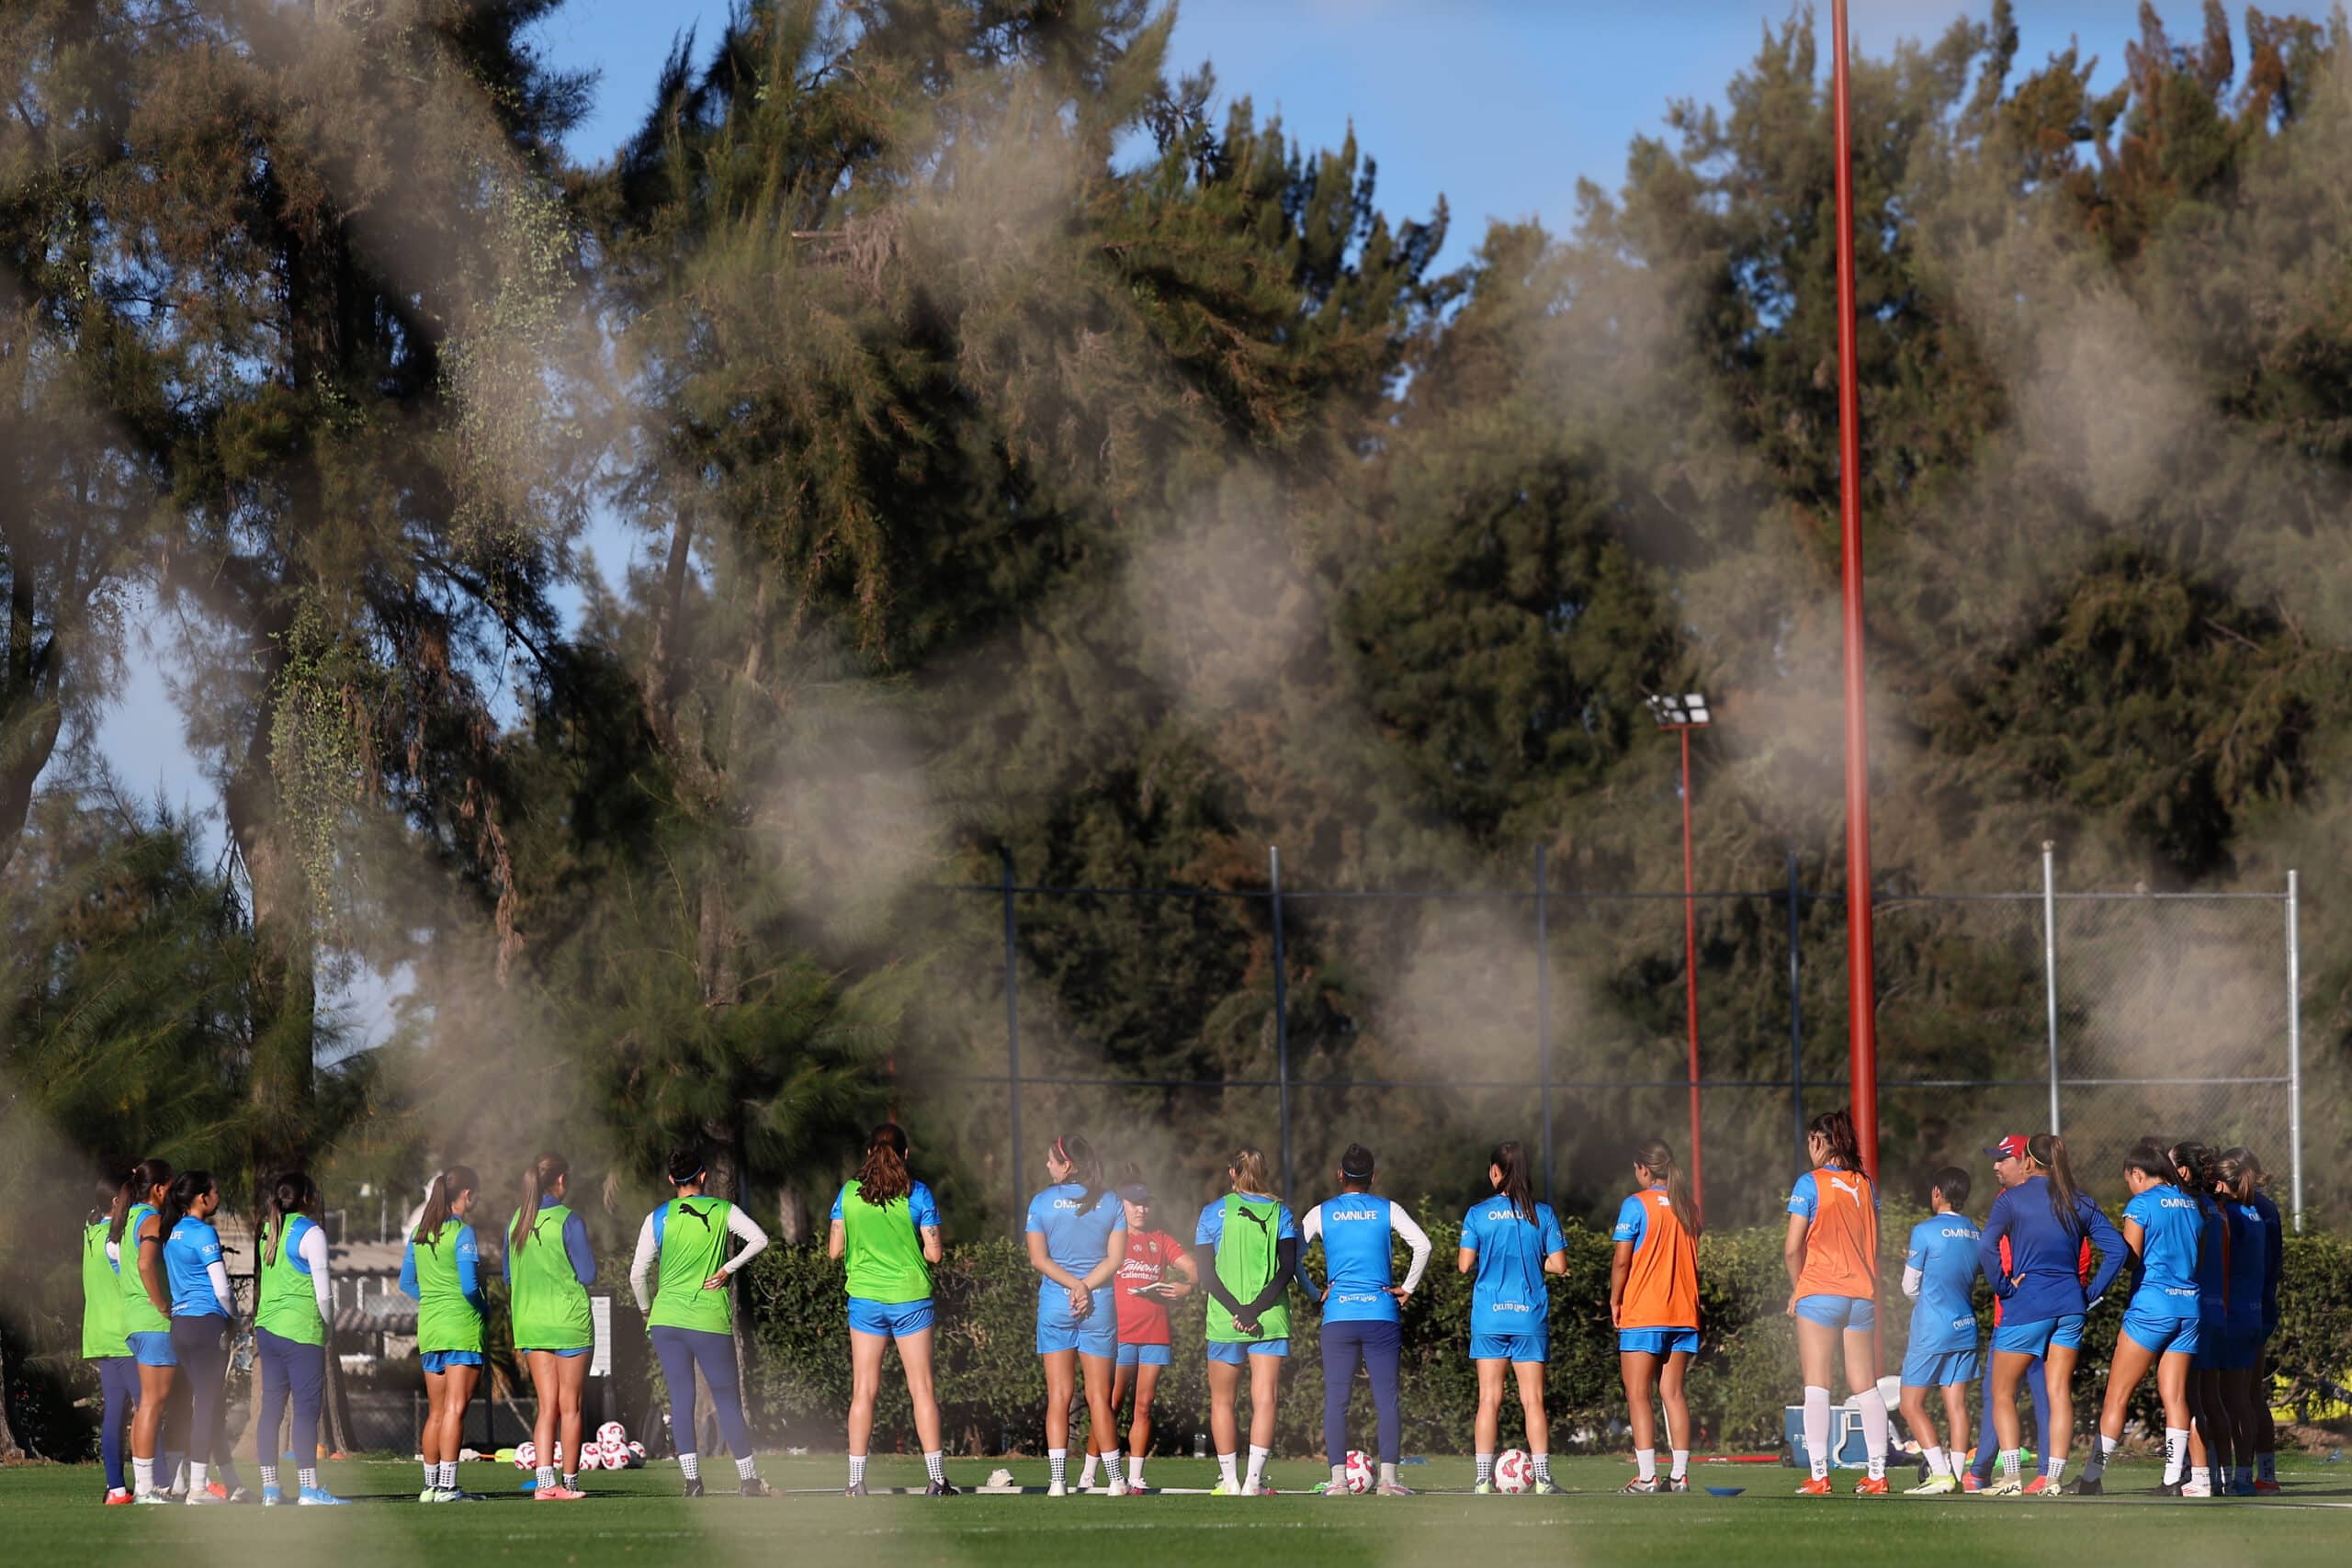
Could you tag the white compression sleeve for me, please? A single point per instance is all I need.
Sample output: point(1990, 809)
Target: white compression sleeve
point(1415, 1237)
point(313, 1250)
point(640, 1267)
point(745, 1229)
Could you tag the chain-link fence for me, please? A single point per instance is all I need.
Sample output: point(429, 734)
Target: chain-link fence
point(1173, 1024)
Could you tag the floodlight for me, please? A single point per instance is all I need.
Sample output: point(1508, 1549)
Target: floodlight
point(1686, 711)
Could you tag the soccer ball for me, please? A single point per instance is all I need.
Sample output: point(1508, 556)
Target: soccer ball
point(591, 1457)
point(637, 1456)
point(527, 1455)
point(614, 1455)
point(1514, 1472)
point(612, 1433)
point(1357, 1469)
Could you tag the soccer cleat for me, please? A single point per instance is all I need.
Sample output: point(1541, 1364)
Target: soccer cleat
point(1817, 1487)
point(1675, 1483)
point(2039, 1486)
point(1392, 1489)
point(2241, 1489)
point(1871, 1486)
point(1543, 1487)
point(453, 1495)
point(206, 1498)
point(2194, 1489)
point(1640, 1486)
point(1934, 1487)
point(119, 1494)
point(2266, 1488)
point(558, 1493)
point(753, 1486)
point(2088, 1487)
point(1119, 1488)
point(1222, 1490)
point(2166, 1489)
point(1968, 1483)
point(2006, 1486)
point(271, 1497)
point(694, 1486)
point(319, 1498)
point(1052, 1489)
point(936, 1489)
point(1483, 1489)
point(152, 1497)
point(854, 1489)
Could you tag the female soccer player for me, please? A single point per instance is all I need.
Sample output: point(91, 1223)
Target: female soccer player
point(2164, 1229)
point(203, 1311)
point(1653, 1302)
point(2008, 1157)
point(2250, 1242)
point(688, 1317)
point(2046, 1219)
point(886, 1225)
point(2209, 1430)
point(548, 1271)
point(1939, 1273)
point(441, 1271)
point(137, 1239)
point(1253, 1251)
point(103, 1344)
point(1509, 1244)
point(1077, 1238)
point(1362, 1309)
point(1831, 1253)
point(1158, 1270)
point(292, 1305)
point(2266, 1429)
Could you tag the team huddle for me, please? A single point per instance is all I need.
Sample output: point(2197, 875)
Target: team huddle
point(2202, 1238)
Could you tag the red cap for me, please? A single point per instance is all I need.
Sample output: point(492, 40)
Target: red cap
point(2011, 1147)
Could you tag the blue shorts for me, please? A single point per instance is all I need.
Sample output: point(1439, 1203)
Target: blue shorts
point(888, 1320)
point(1232, 1353)
point(1854, 1314)
point(2161, 1335)
point(1658, 1341)
point(153, 1348)
point(442, 1360)
point(1143, 1355)
point(1519, 1350)
point(2036, 1338)
point(1939, 1369)
point(544, 1351)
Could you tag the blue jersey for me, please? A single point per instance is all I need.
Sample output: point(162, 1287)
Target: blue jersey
point(2249, 1243)
point(1358, 1260)
point(2042, 1280)
point(2273, 1259)
point(922, 1211)
point(189, 1253)
point(1078, 1236)
point(464, 1250)
point(1943, 1249)
point(2212, 1263)
point(1507, 1293)
point(2172, 1228)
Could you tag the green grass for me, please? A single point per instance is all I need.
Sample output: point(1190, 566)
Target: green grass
point(50, 1515)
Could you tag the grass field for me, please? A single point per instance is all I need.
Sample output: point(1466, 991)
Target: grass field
point(49, 1514)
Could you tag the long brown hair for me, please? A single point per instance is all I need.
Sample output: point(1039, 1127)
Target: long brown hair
point(446, 1187)
point(1837, 1129)
point(544, 1173)
point(1085, 1168)
point(145, 1177)
point(2048, 1150)
point(1510, 1159)
point(292, 1193)
point(2241, 1173)
point(186, 1187)
point(883, 1177)
point(1658, 1160)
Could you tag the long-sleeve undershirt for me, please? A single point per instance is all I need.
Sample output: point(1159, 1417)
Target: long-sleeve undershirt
point(740, 1225)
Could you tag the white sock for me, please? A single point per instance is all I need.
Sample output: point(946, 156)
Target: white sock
point(1936, 1463)
point(856, 1469)
point(2175, 1453)
point(142, 1475)
point(746, 1468)
point(571, 1481)
point(1111, 1468)
point(1542, 1460)
point(1256, 1468)
point(269, 1475)
point(448, 1475)
point(1225, 1473)
point(1387, 1474)
point(308, 1480)
point(1060, 1460)
point(199, 1477)
point(2012, 1459)
point(1485, 1467)
point(1873, 1413)
point(2101, 1445)
point(432, 1473)
point(2054, 1466)
point(546, 1478)
point(692, 1465)
point(2205, 1474)
point(1645, 1465)
point(1816, 1429)
point(1086, 1470)
point(175, 1466)
point(934, 1464)
point(1340, 1478)
point(1681, 1463)
point(1135, 1470)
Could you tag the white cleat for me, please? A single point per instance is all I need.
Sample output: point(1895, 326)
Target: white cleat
point(1057, 1489)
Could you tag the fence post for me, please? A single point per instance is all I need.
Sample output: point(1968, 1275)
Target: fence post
point(1796, 1006)
point(1282, 1012)
point(1013, 1037)
point(1544, 1012)
point(2049, 965)
point(2295, 1051)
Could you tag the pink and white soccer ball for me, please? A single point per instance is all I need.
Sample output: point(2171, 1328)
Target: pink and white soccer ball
point(612, 1433)
point(592, 1456)
point(1514, 1472)
point(1356, 1469)
point(527, 1455)
point(637, 1456)
point(613, 1455)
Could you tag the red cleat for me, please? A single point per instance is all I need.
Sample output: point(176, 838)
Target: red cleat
point(1968, 1483)
point(1818, 1487)
point(117, 1497)
point(1871, 1486)
point(2039, 1487)
point(2266, 1488)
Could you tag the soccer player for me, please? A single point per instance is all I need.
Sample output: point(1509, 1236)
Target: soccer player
point(2046, 1219)
point(1509, 1243)
point(1077, 1239)
point(548, 1270)
point(1362, 1309)
point(103, 1342)
point(137, 1240)
point(886, 1231)
point(1831, 1253)
point(1158, 1270)
point(2008, 1157)
point(2250, 1243)
point(2209, 1431)
point(441, 1271)
point(687, 1317)
point(2165, 1230)
point(1940, 1271)
point(2266, 1429)
point(1654, 1302)
point(292, 1306)
point(1253, 1252)
point(203, 1311)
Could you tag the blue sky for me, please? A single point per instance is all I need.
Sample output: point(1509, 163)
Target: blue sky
point(1499, 105)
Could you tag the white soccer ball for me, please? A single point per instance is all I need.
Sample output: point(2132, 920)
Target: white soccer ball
point(637, 1456)
point(614, 1455)
point(1357, 1469)
point(1514, 1472)
point(527, 1455)
point(591, 1457)
point(612, 1433)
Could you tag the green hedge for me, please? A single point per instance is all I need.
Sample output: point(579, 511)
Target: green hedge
point(990, 1386)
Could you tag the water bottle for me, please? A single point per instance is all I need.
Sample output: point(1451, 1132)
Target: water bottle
point(1200, 1445)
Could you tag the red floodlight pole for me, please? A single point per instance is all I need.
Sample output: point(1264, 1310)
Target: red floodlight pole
point(1684, 714)
point(1860, 979)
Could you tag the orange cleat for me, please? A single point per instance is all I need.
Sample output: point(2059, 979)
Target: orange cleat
point(1871, 1486)
point(2041, 1485)
point(1817, 1487)
point(2266, 1488)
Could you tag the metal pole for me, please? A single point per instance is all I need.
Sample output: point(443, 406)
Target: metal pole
point(1690, 980)
point(1543, 1011)
point(1282, 1011)
point(1796, 1006)
point(1013, 1037)
point(2050, 967)
point(1860, 977)
point(2294, 1052)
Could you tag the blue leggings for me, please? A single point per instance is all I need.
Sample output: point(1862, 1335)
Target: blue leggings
point(683, 1349)
point(1988, 1443)
point(290, 1367)
point(1378, 1343)
point(119, 1381)
point(201, 1343)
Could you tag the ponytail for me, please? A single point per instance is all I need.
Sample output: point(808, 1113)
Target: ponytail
point(186, 1187)
point(544, 1173)
point(2150, 1161)
point(2048, 1150)
point(1837, 1129)
point(1085, 1168)
point(1658, 1160)
point(289, 1194)
point(446, 1187)
point(145, 1178)
point(1510, 1159)
point(2240, 1173)
point(111, 1196)
point(884, 1176)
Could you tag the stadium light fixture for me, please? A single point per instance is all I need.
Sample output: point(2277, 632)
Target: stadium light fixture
point(1683, 713)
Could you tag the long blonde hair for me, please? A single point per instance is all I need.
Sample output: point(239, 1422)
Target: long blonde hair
point(1249, 1172)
